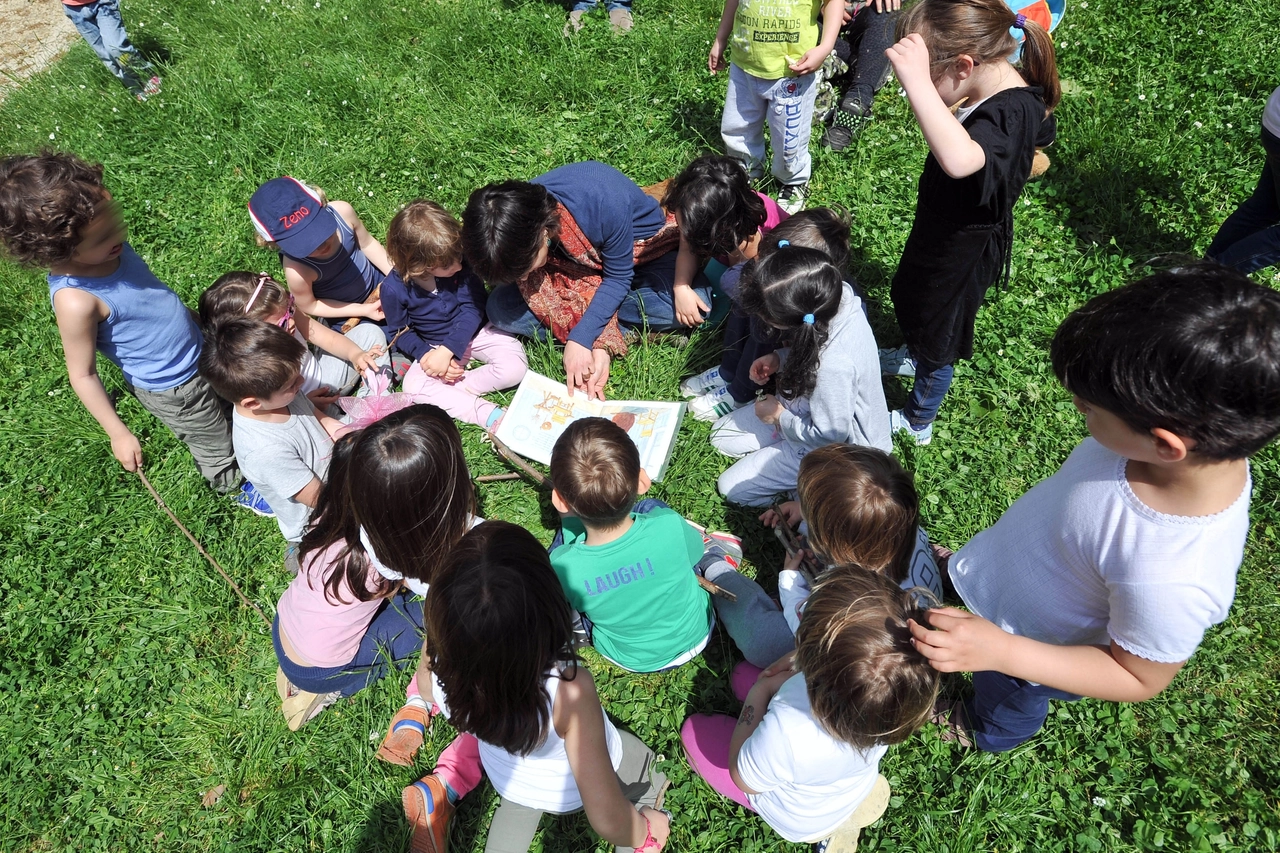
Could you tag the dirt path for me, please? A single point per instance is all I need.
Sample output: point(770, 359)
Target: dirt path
point(34, 34)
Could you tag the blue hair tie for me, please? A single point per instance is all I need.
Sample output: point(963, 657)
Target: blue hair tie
point(808, 319)
point(783, 243)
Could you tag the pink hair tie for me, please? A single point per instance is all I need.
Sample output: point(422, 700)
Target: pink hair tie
point(1020, 21)
point(262, 279)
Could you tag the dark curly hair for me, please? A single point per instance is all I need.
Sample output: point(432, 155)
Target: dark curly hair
point(502, 228)
point(717, 207)
point(46, 200)
point(780, 291)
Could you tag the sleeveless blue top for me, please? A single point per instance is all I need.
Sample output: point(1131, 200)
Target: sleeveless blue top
point(348, 276)
point(149, 334)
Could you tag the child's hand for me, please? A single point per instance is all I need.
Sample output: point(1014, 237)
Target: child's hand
point(783, 665)
point(795, 561)
point(764, 367)
point(960, 641)
point(323, 397)
point(715, 59)
point(910, 61)
point(436, 361)
point(811, 61)
point(787, 512)
point(367, 360)
point(455, 372)
point(659, 825)
point(372, 310)
point(690, 309)
point(127, 451)
point(768, 409)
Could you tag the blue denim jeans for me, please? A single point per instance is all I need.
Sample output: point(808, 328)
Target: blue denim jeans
point(1250, 238)
point(1005, 711)
point(650, 303)
point(394, 635)
point(927, 392)
point(610, 5)
point(100, 25)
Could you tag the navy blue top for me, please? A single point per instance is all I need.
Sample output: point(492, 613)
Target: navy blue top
point(450, 316)
point(613, 213)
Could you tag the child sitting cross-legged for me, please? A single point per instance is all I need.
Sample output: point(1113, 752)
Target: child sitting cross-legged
point(438, 302)
point(805, 751)
point(859, 507)
point(341, 358)
point(628, 567)
point(1102, 580)
point(282, 440)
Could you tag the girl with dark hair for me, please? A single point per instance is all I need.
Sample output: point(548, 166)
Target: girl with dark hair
point(955, 54)
point(579, 252)
point(499, 662)
point(829, 388)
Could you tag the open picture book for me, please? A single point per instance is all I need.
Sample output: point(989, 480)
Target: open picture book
point(543, 407)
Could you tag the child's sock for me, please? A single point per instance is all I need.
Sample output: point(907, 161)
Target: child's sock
point(491, 422)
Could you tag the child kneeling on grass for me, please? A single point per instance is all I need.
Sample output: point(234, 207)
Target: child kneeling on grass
point(439, 302)
point(341, 619)
point(629, 568)
point(861, 509)
point(805, 752)
point(56, 213)
point(282, 440)
point(1102, 580)
point(499, 662)
point(342, 358)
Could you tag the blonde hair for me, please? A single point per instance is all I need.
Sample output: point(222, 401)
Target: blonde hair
point(423, 236)
point(861, 507)
point(264, 243)
point(866, 682)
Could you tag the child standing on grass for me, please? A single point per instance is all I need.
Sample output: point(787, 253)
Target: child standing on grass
point(1102, 580)
point(99, 23)
point(55, 212)
point(720, 217)
point(341, 620)
point(859, 507)
point(805, 752)
point(282, 440)
point(342, 358)
point(956, 52)
point(332, 263)
point(829, 387)
point(499, 662)
point(439, 302)
point(773, 80)
point(627, 567)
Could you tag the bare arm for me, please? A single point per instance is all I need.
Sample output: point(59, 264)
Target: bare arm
point(832, 18)
point(78, 315)
point(300, 280)
point(309, 493)
point(690, 309)
point(335, 344)
point(956, 152)
point(753, 711)
point(964, 642)
point(579, 720)
point(715, 59)
point(372, 249)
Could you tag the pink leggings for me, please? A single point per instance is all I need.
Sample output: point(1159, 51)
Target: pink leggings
point(459, 764)
point(706, 739)
point(504, 366)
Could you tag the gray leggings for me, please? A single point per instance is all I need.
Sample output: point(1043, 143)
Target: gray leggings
point(754, 621)
point(514, 825)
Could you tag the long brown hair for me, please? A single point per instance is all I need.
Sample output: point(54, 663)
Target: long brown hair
point(409, 489)
point(497, 622)
point(980, 28)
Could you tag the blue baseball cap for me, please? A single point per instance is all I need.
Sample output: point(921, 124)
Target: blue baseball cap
point(289, 213)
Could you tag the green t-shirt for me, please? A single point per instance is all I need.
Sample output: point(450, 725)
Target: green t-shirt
point(640, 590)
point(770, 34)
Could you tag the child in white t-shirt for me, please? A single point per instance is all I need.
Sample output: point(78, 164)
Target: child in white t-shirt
point(805, 751)
point(1102, 580)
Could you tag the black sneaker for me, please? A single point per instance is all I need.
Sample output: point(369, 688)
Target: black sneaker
point(850, 120)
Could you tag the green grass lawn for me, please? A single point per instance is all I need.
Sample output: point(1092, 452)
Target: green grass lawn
point(133, 680)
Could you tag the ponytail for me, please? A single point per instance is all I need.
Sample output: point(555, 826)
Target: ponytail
point(796, 290)
point(1040, 63)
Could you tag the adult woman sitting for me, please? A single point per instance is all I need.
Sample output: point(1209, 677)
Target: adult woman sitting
point(576, 251)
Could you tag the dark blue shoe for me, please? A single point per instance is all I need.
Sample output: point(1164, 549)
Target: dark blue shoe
point(250, 499)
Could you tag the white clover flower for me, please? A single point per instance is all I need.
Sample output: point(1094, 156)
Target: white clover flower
point(1100, 802)
point(1142, 97)
point(1197, 124)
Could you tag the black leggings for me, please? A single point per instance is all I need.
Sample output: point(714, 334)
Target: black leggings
point(862, 44)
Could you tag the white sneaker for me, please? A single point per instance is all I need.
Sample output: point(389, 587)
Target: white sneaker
point(707, 380)
point(897, 362)
point(714, 405)
point(792, 197)
point(898, 423)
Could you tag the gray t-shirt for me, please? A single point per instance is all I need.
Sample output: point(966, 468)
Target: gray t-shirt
point(280, 460)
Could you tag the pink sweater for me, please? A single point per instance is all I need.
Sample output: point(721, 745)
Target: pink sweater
point(325, 633)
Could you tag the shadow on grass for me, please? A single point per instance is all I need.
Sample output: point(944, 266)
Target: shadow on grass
point(152, 49)
point(698, 121)
point(385, 829)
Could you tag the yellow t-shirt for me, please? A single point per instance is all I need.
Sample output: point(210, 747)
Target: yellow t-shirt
point(770, 34)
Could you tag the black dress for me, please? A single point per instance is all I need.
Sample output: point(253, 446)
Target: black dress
point(962, 238)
